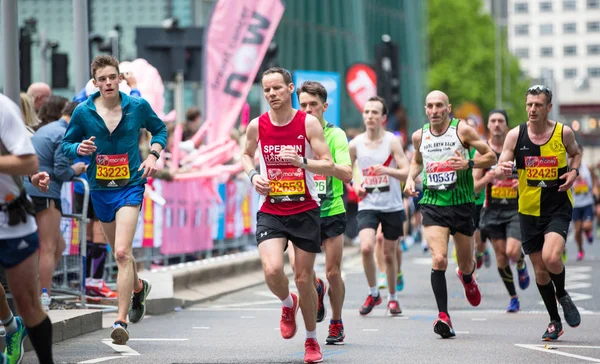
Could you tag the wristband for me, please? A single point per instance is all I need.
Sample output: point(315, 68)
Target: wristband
point(304, 163)
point(251, 174)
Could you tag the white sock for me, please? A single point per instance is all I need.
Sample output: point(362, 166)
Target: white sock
point(374, 291)
point(311, 334)
point(392, 297)
point(10, 324)
point(288, 302)
point(88, 281)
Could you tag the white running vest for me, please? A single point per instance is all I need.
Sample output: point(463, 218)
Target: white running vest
point(383, 192)
point(582, 188)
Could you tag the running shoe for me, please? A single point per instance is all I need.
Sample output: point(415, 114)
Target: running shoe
point(403, 245)
point(399, 282)
point(336, 333)
point(514, 305)
point(570, 311)
point(312, 351)
point(590, 236)
point(369, 304)
point(394, 308)
point(553, 331)
point(287, 325)
point(321, 291)
point(564, 256)
point(472, 292)
point(119, 334)
point(523, 276)
point(580, 255)
point(14, 343)
point(479, 259)
point(103, 291)
point(443, 326)
point(137, 309)
point(382, 281)
point(487, 259)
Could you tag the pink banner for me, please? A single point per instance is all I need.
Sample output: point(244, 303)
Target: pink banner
point(239, 33)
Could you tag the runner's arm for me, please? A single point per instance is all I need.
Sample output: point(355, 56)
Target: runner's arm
point(155, 126)
point(73, 136)
point(250, 148)
point(469, 137)
point(508, 152)
point(22, 160)
point(572, 147)
point(343, 169)
point(416, 164)
point(323, 164)
point(400, 173)
point(480, 179)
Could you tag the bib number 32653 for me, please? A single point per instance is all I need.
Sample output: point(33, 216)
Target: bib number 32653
point(112, 170)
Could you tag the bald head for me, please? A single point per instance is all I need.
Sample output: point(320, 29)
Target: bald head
point(40, 92)
point(436, 96)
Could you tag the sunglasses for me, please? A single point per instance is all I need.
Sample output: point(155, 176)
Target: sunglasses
point(539, 88)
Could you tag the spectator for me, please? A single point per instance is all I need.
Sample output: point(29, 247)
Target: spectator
point(192, 122)
point(51, 110)
point(39, 92)
point(28, 113)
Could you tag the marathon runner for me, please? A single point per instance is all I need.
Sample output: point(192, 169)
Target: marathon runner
point(583, 208)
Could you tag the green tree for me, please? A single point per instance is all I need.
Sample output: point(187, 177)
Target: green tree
point(462, 58)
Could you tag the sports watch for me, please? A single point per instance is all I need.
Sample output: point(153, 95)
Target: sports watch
point(155, 153)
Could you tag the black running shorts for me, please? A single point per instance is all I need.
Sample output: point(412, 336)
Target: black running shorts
point(302, 229)
point(332, 226)
point(458, 218)
point(391, 222)
point(534, 229)
point(500, 224)
point(78, 206)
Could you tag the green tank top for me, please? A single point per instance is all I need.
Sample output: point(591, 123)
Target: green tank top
point(443, 186)
point(479, 197)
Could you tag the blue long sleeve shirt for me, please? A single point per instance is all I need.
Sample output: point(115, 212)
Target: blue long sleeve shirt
point(116, 161)
point(47, 143)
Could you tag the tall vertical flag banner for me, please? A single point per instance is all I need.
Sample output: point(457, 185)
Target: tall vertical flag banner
point(238, 35)
point(361, 84)
point(331, 82)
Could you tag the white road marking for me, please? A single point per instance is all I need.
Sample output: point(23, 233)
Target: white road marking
point(478, 319)
point(461, 332)
point(235, 309)
point(201, 327)
point(371, 330)
point(100, 360)
point(247, 317)
point(121, 349)
point(158, 339)
point(557, 352)
point(401, 317)
point(244, 304)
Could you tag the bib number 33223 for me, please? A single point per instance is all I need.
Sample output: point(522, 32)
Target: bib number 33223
point(112, 170)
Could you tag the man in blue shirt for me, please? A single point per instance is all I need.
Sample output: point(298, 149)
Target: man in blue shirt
point(110, 121)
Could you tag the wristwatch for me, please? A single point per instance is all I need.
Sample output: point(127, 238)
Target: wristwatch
point(470, 164)
point(576, 170)
point(155, 153)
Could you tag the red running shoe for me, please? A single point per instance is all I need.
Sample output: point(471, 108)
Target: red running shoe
point(369, 304)
point(394, 308)
point(287, 325)
point(312, 351)
point(443, 326)
point(471, 289)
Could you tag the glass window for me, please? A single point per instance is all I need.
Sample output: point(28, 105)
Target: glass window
point(593, 26)
point(569, 4)
point(521, 8)
point(522, 52)
point(522, 29)
point(545, 6)
point(594, 72)
point(593, 49)
point(546, 51)
point(569, 28)
point(593, 4)
point(570, 50)
point(545, 29)
point(570, 73)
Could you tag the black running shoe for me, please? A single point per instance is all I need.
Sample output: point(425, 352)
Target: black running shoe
point(321, 310)
point(369, 304)
point(137, 309)
point(553, 331)
point(570, 311)
point(336, 334)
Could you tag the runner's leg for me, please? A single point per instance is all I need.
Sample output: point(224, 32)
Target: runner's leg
point(334, 248)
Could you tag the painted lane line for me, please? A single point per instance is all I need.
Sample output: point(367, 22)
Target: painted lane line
point(461, 332)
point(556, 352)
point(247, 317)
point(100, 360)
point(121, 349)
point(158, 339)
point(247, 304)
point(371, 330)
point(478, 319)
point(201, 327)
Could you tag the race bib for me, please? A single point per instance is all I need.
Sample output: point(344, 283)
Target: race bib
point(440, 176)
point(373, 183)
point(321, 185)
point(112, 170)
point(503, 190)
point(580, 187)
point(541, 171)
point(287, 184)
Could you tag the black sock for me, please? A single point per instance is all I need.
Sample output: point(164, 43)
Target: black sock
point(41, 340)
point(98, 260)
point(559, 283)
point(440, 290)
point(521, 260)
point(468, 278)
point(88, 258)
point(549, 297)
point(507, 278)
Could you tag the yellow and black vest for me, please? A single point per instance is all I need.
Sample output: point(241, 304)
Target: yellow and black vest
point(539, 168)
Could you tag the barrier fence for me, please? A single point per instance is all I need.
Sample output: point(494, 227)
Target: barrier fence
point(179, 220)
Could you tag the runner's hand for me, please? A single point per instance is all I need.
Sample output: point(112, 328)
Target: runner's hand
point(458, 162)
point(515, 184)
point(489, 176)
point(289, 154)
point(261, 185)
point(380, 170)
point(569, 178)
point(507, 168)
point(359, 190)
point(41, 180)
point(409, 188)
point(149, 167)
point(87, 147)
point(79, 168)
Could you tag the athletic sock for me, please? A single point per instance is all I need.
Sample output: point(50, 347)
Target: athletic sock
point(98, 260)
point(521, 261)
point(311, 334)
point(41, 340)
point(288, 302)
point(88, 258)
point(440, 290)
point(507, 278)
point(374, 291)
point(549, 297)
point(559, 283)
point(10, 324)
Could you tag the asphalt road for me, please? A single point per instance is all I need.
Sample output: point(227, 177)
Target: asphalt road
point(243, 327)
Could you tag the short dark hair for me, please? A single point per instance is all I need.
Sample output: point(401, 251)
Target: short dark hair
point(313, 88)
point(287, 76)
point(51, 110)
point(540, 89)
point(102, 61)
point(384, 110)
point(69, 108)
point(192, 113)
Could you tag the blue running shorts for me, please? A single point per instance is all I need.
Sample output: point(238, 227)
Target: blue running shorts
point(108, 202)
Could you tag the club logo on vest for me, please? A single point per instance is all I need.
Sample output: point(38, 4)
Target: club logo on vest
point(557, 146)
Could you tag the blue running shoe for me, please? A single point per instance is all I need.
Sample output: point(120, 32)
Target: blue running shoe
point(14, 343)
point(399, 282)
point(523, 276)
point(514, 305)
point(487, 259)
point(382, 281)
point(403, 245)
